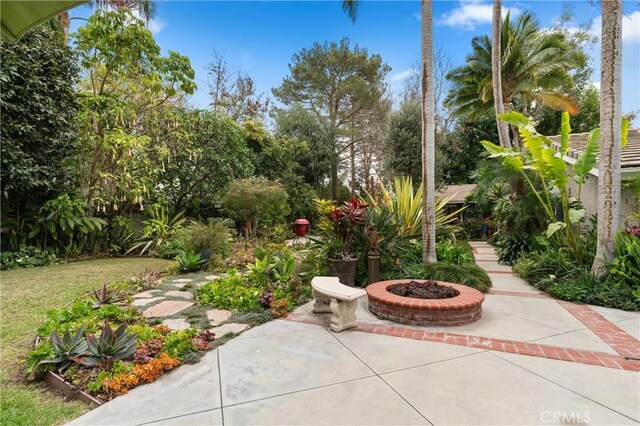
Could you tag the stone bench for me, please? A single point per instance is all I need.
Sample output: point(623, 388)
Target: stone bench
point(341, 300)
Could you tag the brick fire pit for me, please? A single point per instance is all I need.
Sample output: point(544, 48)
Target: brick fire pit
point(459, 310)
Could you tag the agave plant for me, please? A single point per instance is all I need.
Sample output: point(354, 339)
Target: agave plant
point(118, 344)
point(189, 261)
point(106, 296)
point(68, 349)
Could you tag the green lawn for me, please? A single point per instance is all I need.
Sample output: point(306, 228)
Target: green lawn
point(25, 296)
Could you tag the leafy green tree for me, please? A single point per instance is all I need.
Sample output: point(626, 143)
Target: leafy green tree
point(252, 199)
point(462, 150)
point(275, 158)
point(335, 82)
point(300, 124)
point(127, 79)
point(402, 143)
point(199, 153)
point(38, 111)
point(535, 69)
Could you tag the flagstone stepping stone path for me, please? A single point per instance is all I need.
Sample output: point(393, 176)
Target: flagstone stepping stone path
point(166, 308)
point(181, 294)
point(172, 304)
point(176, 324)
point(218, 316)
point(144, 302)
point(229, 328)
point(145, 294)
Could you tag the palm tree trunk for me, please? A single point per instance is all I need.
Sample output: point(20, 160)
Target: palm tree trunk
point(496, 57)
point(610, 133)
point(428, 137)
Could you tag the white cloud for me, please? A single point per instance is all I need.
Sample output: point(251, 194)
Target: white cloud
point(471, 13)
point(401, 76)
point(154, 25)
point(630, 27)
point(596, 84)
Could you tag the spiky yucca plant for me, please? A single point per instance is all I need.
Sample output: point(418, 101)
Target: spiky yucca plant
point(397, 212)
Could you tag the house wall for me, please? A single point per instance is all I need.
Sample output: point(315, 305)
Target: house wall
point(628, 203)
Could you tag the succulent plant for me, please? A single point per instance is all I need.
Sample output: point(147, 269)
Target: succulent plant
point(68, 349)
point(106, 296)
point(265, 299)
point(207, 335)
point(118, 344)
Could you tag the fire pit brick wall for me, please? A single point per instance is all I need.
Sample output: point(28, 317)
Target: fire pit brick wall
point(462, 309)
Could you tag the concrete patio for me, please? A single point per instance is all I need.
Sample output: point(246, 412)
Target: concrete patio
point(529, 360)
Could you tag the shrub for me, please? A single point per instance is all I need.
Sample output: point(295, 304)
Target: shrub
point(509, 247)
point(623, 282)
point(209, 239)
point(553, 270)
point(27, 257)
point(252, 199)
point(454, 254)
point(230, 292)
point(470, 275)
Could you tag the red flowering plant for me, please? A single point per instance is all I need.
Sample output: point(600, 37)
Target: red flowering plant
point(345, 220)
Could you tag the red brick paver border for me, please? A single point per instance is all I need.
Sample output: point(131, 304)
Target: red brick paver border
point(521, 348)
point(622, 342)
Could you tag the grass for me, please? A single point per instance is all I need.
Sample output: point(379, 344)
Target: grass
point(25, 297)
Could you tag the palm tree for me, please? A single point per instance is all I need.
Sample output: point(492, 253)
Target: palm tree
point(428, 127)
point(534, 69)
point(146, 9)
point(428, 137)
point(610, 133)
point(503, 130)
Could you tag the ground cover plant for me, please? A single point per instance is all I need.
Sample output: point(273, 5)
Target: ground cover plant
point(271, 283)
point(106, 347)
point(27, 294)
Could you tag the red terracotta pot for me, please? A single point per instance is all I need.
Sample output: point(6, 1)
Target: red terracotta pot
point(301, 227)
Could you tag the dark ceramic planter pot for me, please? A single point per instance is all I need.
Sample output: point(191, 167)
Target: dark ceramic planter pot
point(345, 270)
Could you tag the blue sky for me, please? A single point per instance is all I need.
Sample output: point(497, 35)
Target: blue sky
point(260, 37)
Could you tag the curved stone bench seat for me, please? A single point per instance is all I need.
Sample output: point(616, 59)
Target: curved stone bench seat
point(341, 300)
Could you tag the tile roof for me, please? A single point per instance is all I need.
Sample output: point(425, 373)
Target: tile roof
point(459, 192)
point(630, 153)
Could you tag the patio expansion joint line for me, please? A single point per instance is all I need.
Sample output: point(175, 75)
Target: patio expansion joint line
point(381, 378)
point(619, 340)
point(298, 391)
point(177, 417)
point(220, 384)
point(564, 387)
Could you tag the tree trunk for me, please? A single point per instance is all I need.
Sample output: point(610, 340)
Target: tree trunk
point(352, 155)
point(496, 64)
point(610, 133)
point(428, 137)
